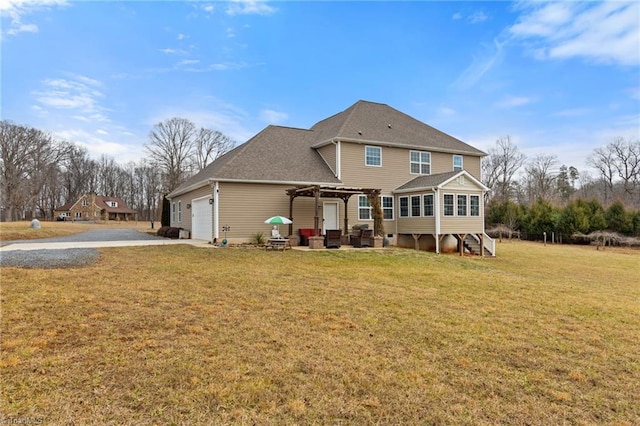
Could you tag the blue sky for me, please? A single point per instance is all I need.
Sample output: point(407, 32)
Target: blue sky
point(558, 78)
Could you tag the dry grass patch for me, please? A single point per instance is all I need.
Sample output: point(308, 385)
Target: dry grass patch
point(178, 335)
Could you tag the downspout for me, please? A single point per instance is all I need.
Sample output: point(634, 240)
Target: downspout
point(216, 210)
point(436, 198)
point(338, 158)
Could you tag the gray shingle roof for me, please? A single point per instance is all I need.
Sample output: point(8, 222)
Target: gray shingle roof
point(427, 181)
point(286, 154)
point(370, 121)
point(278, 154)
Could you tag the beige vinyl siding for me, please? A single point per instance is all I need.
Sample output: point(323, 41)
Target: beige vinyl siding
point(245, 206)
point(461, 224)
point(443, 162)
point(416, 225)
point(395, 171)
point(187, 199)
point(328, 153)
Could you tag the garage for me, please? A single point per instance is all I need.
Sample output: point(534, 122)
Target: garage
point(201, 220)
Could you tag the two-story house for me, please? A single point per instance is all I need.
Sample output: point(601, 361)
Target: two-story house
point(428, 182)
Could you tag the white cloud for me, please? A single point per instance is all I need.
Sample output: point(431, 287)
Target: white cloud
point(273, 117)
point(514, 101)
point(607, 32)
point(102, 132)
point(477, 17)
point(17, 10)
point(573, 112)
point(224, 117)
point(456, 16)
point(480, 65)
point(209, 8)
point(181, 36)
point(446, 111)
point(249, 7)
point(77, 93)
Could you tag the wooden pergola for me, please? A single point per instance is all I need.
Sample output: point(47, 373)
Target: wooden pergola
point(318, 191)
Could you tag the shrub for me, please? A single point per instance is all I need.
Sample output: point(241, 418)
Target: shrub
point(258, 238)
point(162, 231)
point(173, 232)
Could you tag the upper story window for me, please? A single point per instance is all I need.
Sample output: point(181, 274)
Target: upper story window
point(373, 156)
point(420, 162)
point(112, 203)
point(85, 203)
point(458, 163)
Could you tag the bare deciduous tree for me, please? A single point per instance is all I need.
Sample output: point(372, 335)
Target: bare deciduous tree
point(171, 146)
point(209, 145)
point(28, 159)
point(500, 167)
point(540, 178)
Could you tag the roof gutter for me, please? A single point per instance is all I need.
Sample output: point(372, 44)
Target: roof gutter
point(402, 145)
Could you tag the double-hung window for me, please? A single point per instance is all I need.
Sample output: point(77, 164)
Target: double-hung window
point(404, 206)
point(387, 207)
point(173, 212)
point(448, 204)
point(474, 205)
point(427, 204)
point(373, 156)
point(458, 163)
point(364, 208)
point(415, 206)
point(420, 162)
point(462, 205)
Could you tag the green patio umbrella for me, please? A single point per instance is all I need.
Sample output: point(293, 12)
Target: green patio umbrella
point(278, 220)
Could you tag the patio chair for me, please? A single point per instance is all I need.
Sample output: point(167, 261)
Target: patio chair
point(362, 239)
point(332, 238)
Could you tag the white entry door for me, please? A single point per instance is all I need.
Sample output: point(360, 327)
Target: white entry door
point(330, 215)
point(201, 219)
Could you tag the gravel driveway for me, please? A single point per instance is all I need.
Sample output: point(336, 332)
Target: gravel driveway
point(43, 257)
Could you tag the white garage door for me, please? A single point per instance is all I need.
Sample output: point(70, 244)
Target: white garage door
point(201, 219)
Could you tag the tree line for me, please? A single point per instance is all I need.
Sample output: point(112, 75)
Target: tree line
point(39, 173)
point(537, 195)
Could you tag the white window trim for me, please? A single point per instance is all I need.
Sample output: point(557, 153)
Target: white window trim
point(405, 197)
point(461, 162)
point(392, 208)
point(479, 207)
point(433, 206)
point(466, 214)
point(444, 206)
point(420, 163)
point(419, 197)
point(379, 148)
point(363, 208)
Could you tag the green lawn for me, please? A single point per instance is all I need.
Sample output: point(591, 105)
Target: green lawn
point(181, 335)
